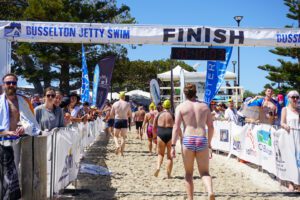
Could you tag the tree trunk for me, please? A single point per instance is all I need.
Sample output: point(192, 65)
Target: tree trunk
point(47, 78)
point(64, 78)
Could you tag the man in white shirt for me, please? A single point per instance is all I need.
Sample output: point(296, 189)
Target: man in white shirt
point(231, 112)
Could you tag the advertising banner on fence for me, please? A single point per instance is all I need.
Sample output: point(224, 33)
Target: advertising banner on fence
point(68, 32)
point(107, 65)
point(250, 147)
point(265, 147)
point(221, 137)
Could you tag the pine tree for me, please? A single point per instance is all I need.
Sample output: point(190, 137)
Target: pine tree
point(286, 76)
point(43, 63)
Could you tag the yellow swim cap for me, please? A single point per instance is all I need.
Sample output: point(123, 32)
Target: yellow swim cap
point(167, 104)
point(151, 106)
point(122, 95)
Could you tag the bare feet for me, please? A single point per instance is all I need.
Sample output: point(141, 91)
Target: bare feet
point(211, 197)
point(117, 150)
point(156, 172)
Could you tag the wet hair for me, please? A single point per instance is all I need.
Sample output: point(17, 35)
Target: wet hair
point(190, 90)
point(10, 74)
point(48, 89)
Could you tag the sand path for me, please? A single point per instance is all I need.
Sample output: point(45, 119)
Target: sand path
point(132, 177)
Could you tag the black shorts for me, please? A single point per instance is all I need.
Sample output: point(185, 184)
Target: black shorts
point(110, 123)
point(138, 125)
point(121, 123)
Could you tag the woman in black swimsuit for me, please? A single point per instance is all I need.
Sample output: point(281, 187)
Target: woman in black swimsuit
point(163, 125)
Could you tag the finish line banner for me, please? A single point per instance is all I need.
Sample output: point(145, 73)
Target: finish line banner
point(66, 32)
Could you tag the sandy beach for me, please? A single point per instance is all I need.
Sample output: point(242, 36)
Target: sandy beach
point(132, 177)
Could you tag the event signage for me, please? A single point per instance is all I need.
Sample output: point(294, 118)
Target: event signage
point(107, 65)
point(155, 91)
point(215, 75)
point(197, 54)
point(68, 32)
point(95, 84)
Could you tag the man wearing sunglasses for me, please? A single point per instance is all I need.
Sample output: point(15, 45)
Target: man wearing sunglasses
point(17, 118)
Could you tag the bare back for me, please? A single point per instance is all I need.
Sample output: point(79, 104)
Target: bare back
point(165, 119)
point(139, 115)
point(195, 116)
point(121, 110)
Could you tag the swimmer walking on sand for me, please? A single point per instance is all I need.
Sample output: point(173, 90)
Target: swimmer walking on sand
point(120, 111)
point(196, 143)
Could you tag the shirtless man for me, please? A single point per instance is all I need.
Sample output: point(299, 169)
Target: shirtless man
point(148, 126)
point(196, 143)
point(120, 112)
point(269, 108)
point(139, 117)
point(9, 128)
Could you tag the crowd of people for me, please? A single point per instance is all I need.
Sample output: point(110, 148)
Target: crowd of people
point(161, 127)
point(22, 116)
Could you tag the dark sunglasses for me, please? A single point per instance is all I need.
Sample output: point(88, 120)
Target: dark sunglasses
point(295, 97)
point(10, 83)
point(50, 95)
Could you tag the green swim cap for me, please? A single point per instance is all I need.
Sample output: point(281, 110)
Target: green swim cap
point(122, 95)
point(152, 106)
point(167, 104)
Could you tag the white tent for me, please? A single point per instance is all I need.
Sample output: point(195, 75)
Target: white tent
point(114, 95)
point(191, 76)
point(138, 93)
point(166, 76)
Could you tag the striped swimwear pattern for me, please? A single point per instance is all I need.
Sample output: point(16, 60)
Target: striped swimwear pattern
point(195, 143)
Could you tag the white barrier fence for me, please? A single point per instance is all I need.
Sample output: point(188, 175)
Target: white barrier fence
point(48, 170)
point(275, 150)
point(64, 150)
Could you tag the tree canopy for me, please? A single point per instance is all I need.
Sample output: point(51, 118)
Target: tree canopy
point(286, 76)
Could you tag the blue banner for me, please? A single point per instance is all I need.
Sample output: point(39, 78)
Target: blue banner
point(215, 75)
point(95, 84)
point(107, 65)
point(85, 86)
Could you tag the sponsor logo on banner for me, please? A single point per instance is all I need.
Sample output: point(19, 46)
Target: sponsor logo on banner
point(224, 135)
point(251, 147)
point(280, 163)
point(264, 141)
point(68, 165)
point(13, 30)
point(237, 143)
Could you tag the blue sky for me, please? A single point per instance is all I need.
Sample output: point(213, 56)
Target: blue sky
point(220, 13)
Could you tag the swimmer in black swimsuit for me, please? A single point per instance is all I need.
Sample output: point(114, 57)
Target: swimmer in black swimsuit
point(163, 124)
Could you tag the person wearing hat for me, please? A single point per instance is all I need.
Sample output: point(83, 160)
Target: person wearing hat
point(148, 126)
point(163, 126)
point(231, 112)
point(120, 112)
